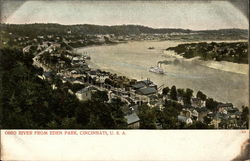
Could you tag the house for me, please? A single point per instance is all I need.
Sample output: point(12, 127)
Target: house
point(40, 37)
point(185, 119)
point(186, 115)
point(68, 79)
point(127, 110)
point(233, 110)
point(224, 107)
point(48, 75)
point(202, 112)
point(49, 36)
point(50, 50)
point(102, 77)
point(147, 91)
point(143, 83)
point(61, 63)
point(232, 123)
point(179, 100)
point(73, 72)
point(196, 102)
point(133, 121)
point(56, 45)
point(77, 82)
point(156, 103)
point(69, 31)
point(26, 49)
point(146, 82)
point(194, 114)
point(220, 117)
point(46, 44)
point(215, 122)
point(186, 112)
point(138, 85)
point(140, 99)
point(153, 85)
point(85, 93)
point(84, 68)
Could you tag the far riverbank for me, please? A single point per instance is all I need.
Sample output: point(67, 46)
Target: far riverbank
point(219, 65)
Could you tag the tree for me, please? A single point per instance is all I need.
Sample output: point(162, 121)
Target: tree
point(147, 117)
point(52, 125)
point(245, 116)
point(187, 96)
point(165, 91)
point(100, 96)
point(198, 125)
point(170, 114)
point(117, 113)
point(201, 95)
point(173, 93)
point(207, 120)
point(211, 104)
point(82, 113)
point(68, 123)
point(180, 92)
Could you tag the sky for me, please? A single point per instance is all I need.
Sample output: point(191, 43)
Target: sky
point(195, 15)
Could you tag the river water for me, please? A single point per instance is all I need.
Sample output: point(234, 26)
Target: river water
point(133, 60)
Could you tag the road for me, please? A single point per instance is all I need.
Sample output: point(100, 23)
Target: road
point(37, 57)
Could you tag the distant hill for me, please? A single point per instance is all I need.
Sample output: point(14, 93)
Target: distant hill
point(40, 29)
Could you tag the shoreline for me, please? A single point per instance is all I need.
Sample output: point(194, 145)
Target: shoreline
point(226, 66)
point(219, 65)
point(131, 41)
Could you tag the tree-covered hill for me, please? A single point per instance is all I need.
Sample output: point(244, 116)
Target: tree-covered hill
point(28, 102)
point(236, 52)
point(40, 29)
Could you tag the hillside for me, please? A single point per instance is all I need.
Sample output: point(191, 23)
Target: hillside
point(40, 29)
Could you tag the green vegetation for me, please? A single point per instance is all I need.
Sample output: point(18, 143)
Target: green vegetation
point(187, 97)
point(211, 104)
point(29, 102)
point(167, 118)
point(173, 93)
point(201, 95)
point(233, 52)
point(165, 91)
point(40, 29)
point(245, 116)
point(147, 117)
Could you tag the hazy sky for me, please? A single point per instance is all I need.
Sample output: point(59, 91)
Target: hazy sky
point(168, 14)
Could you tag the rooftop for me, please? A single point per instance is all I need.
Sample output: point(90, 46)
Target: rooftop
point(146, 82)
point(147, 91)
point(138, 85)
point(132, 118)
point(225, 105)
point(86, 89)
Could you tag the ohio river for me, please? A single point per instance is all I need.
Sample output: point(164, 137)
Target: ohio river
point(133, 60)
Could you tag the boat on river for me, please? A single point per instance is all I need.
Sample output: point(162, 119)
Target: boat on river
point(157, 70)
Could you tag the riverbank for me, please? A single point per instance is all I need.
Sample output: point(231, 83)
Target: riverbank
point(219, 65)
point(226, 66)
point(235, 52)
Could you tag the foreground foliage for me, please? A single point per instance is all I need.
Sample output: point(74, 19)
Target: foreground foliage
point(29, 102)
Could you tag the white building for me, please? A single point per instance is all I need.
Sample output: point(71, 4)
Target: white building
point(184, 119)
point(85, 93)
